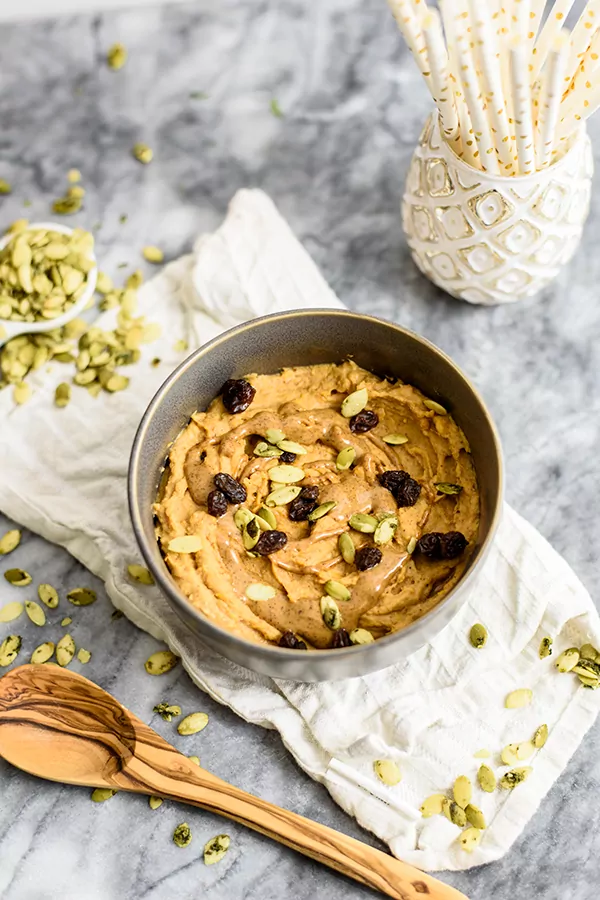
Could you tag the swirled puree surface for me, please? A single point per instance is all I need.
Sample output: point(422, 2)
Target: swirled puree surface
point(304, 404)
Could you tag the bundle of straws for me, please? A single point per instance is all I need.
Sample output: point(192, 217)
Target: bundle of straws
point(511, 86)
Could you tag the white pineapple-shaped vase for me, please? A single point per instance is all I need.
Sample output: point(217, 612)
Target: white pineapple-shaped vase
point(487, 238)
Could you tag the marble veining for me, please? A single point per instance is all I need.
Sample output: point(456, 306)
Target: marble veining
point(335, 164)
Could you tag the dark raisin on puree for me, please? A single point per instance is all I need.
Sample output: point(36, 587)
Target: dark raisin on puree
point(367, 557)
point(364, 421)
point(270, 542)
point(233, 490)
point(291, 642)
point(437, 545)
point(307, 500)
point(217, 504)
point(237, 394)
point(287, 458)
point(341, 638)
point(406, 490)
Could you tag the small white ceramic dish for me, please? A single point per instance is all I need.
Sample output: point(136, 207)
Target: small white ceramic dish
point(10, 329)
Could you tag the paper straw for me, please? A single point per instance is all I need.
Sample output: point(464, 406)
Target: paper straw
point(552, 28)
point(408, 17)
point(521, 91)
point(583, 81)
point(440, 81)
point(488, 58)
point(468, 145)
point(535, 17)
point(550, 98)
point(582, 34)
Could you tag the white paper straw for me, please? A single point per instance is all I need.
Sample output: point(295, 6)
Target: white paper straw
point(441, 85)
point(586, 76)
point(408, 15)
point(552, 28)
point(488, 60)
point(521, 91)
point(468, 146)
point(536, 16)
point(550, 99)
point(582, 34)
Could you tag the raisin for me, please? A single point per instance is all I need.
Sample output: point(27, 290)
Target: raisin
point(307, 500)
point(429, 545)
point(367, 557)
point(436, 545)
point(238, 394)
point(341, 638)
point(309, 492)
point(203, 456)
point(217, 504)
point(364, 421)
point(291, 642)
point(270, 542)
point(287, 457)
point(405, 489)
point(233, 490)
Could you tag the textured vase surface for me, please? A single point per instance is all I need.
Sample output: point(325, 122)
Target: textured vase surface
point(487, 238)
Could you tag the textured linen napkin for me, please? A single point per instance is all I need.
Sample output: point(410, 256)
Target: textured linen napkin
point(63, 475)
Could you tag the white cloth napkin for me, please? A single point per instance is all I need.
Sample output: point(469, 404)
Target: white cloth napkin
point(63, 475)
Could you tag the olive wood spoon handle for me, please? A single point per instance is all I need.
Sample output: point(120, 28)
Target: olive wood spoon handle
point(58, 725)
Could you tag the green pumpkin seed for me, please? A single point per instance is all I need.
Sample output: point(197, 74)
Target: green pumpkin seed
point(48, 595)
point(462, 791)
point(9, 649)
point(43, 653)
point(267, 516)
point(589, 682)
point(194, 759)
point(67, 620)
point(266, 451)
point(259, 592)
point(588, 651)
point(509, 755)
point(282, 496)
point(395, 439)
point(286, 474)
point(385, 531)
point(363, 523)
point(482, 754)
point(337, 590)
point(516, 776)
point(161, 662)
point(21, 393)
point(153, 254)
point(11, 611)
point(182, 836)
point(361, 636)
point(346, 547)
point(140, 574)
point(65, 650)
point(387, 771)
point(518, 699)
point(10, 541)
point(5, 187)
point(116, 57)
point(432, 806)
point(167, 711)
point(321, 511)
point(83, 656)
point(486, 779)
point(82, 596)
point(187, 543)
point(330, 613)
point(411, 546)
point(142, 153)
point(436, 407)
point(216, 848)
point(446, 487)
point(274, 436)
point(345, 458)
point(567, 660)
point(154, 802)
point(292, 447)
point(241, 517)
point(469, 839)
point(250, 534)
point(99, 795)
point(35, 613)
point(354, 403)
point(193, 723)
point(18, 577)
point(456, 814)
point(262, 523)
point(545, 647)
point(478, 636)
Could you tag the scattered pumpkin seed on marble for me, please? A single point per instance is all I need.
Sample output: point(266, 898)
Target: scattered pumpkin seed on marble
point(161, 662)
point(545, 647)
point(140, 574)
point(354, 403)
point(321, 511)
point(153, 254)
point(18, 577)
point(346, 547)
point(100, 795)
point(345, 458)
point(142, 153)
point(330, 613)
point(187, 543)
point(11, 611)
point(182, 836)
point(395, 439)
point(385, 531)
point(43, 653)
point(82, 596)
point(73, 176)
point(116, 56)
point(216, 848)
point(361, 636)
point(65, 650)
point(282, 496)
point(387, 771)
point(9, 649)
point(35, 613)
point(337, 590)
point(516, 776)
point(567, 660)
point(363, 523)
point(478, 636)
point(436, 407)
point(259, 592)
point(432, 806)
point(469, 839)
point(10, 541)
point(84, 656)
point(194, 759)
point(166, 711)
point(193, 723)
point(5, 187)
point(154, 802)
point(519, 698)
point(486, 778)
point(66, 621)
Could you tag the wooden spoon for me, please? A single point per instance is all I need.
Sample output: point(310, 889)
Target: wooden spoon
point(58, 725)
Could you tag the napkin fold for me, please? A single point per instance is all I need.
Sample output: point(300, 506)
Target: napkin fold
point(63, 475)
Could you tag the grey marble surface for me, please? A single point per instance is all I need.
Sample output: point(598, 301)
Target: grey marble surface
point(334, 163)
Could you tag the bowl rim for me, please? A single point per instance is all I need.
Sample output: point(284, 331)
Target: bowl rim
point(221, 635)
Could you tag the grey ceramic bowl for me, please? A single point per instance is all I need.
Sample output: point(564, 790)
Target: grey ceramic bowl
point(304, 338)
